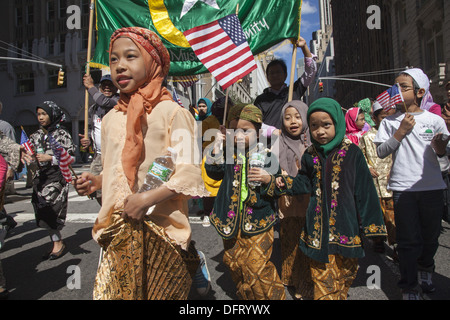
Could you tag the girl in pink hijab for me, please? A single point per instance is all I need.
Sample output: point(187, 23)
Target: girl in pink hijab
point(355, 121)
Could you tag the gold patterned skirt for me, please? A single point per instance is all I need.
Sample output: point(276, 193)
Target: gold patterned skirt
point(295, 271)
point(333, 280)
point(387, 205)
point(256, 277)
point(140, 262)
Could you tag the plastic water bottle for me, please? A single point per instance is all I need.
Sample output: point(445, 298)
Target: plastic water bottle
point(160, 171)
point(257, 160)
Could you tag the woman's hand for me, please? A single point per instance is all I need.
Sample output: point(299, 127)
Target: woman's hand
point(87, 183)
point(25, 156)
point(42, 157)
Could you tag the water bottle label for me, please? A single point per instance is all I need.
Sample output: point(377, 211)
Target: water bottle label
point(257, 157)
point(160, 172)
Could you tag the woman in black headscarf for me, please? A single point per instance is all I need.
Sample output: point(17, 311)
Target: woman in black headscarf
point(50, 188)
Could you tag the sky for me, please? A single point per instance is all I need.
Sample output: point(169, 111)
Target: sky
point(310, 24)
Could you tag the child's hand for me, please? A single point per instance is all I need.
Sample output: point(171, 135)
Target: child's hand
point(259, 175)
point(408, 123)
point(406, 127)
point(279, 182)
point(219, 140)
point(439, 143)
point(374, 173)
point(87, 183)
point(136, 206)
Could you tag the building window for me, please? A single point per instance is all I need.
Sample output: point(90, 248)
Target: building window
point(62, 42)
point(400, 12)
point(25, 82)
point(62, 4)
point(30, 14)
point(19, 17)
point(51, 14)
point(53, 79)
point(85, 4)
point(434, 46)
point(51, 47)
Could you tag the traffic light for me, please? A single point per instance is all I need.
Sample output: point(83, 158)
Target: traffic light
point(60, 77)
point(320, 86)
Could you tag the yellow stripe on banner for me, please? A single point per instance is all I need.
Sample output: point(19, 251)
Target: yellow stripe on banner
point(164, 25)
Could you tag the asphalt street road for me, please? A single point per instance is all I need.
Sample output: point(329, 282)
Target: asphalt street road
point(72, 276)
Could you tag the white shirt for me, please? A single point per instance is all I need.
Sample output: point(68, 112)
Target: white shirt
point(96, 133)
point(415, 164)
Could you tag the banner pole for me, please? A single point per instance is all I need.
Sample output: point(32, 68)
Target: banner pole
point(88, 69)
point(294, 55)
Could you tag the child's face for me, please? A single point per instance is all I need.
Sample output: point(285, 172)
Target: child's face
point(381, 116)
point(360, 121)
point(322, 127)
point(127, 66)
point(43, 117)
point(293, 122)
point(406, 83)
point(245, 134)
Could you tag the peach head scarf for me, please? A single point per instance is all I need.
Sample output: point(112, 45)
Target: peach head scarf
point(141, 102)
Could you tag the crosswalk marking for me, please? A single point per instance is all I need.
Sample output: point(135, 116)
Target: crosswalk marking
point(80, 218)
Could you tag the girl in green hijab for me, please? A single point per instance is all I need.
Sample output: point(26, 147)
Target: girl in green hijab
point(322, 110)
point(343, 197)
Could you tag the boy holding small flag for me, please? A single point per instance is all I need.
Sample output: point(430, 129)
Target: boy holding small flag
point(416, 139)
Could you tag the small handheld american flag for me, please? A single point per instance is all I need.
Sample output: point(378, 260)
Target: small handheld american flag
point(25, 142)
point(63, 157)
point(390, 98)
point(223, 49)
point(176, 97)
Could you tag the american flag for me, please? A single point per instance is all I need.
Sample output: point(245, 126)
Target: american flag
point(390, 97)
point(176, 97)
point(186, 81)
point(25, 142)
point(223, 49)
point(63, 157)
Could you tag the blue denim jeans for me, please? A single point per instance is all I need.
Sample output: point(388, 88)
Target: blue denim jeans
point(418, 217)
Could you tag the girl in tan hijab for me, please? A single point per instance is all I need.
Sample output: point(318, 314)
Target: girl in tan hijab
point(140, 128)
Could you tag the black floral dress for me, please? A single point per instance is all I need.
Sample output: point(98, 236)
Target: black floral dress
point(50, 189)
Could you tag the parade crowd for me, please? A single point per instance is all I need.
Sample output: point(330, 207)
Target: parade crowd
point(331, 177)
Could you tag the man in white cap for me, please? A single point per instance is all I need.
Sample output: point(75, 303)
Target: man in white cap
point(105, 99)
point(416, 138)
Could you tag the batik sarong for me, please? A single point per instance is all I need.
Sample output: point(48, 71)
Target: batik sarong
point(140, 262)
point(255, 276)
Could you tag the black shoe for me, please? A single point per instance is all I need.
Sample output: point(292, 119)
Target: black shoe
point(59, 254)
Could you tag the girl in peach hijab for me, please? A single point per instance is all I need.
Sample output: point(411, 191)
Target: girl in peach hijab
point(145, 256)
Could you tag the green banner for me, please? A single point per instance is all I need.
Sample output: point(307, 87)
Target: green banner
point(265, 23)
